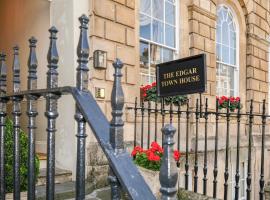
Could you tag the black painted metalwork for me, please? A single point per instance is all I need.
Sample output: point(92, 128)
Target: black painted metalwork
point(162, 118)
point(179, 125)
point(262, 153)
point(16, 112)
point(187, 147)
point(51, 113)
point(142, 122)
point(3, 88)
point(237, 173)
point(148, 124)
point(82, 85)
point(226, 172)
point(249, 150)
point(205, 148)
point(197, 116)
point(215, 170)
point(135, 122)
point(32, 113)
point(171, 113)
point(168, 172)
point(156, 114)
point(116, 125)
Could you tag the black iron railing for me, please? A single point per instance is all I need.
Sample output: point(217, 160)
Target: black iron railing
point(186, 116)
point(123, 174)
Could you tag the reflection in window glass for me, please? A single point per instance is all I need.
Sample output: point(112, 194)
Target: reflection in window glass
point(157, 35)
point(226, 52)
point(158, 31)
point(158, 9)
point(145, 27)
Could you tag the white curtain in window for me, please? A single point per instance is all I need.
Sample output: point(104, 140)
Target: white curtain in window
point(145, 8)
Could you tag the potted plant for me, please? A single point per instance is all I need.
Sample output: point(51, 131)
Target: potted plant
point(233, 103)
point(149, 93)
point(149, 162)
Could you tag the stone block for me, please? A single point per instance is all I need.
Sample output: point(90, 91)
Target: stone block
point(264, 65)
point(125, 15)
point(259, 10)
point(259, 74)
point(98, 26)
point(205, 4)
point(115, 32)
point(96, 155)
point(196, 41)
point(253, 84)
point(263, 86)
point(213, 34)
point(130, 3)
point(126, 54)
point(204, 30)
point(209, 46)
point(250, 73)
point(130, 37)
point(104, 8)
point(194, 26)
point(131, 75)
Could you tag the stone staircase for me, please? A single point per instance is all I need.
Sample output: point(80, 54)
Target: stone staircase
point(61, 175)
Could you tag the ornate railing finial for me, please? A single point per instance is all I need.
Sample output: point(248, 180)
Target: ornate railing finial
point(168, 171)
point(32, 65)
point(3, 73)
point(83, 55)
point(52, 57)
point(16, 70)
point(117, 102)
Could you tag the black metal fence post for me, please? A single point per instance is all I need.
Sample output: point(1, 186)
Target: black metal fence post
point(135, 122)
point(249, 150)
point(226, 172)
point(142, 122)
point(148, 124)
point(168, 171)
point(205, 148)
point(3, 85)
point(16, 112)
point(262, 153)
point(116, 125)
point(215, 170)
point(187, 147)
point(31, 113)
point(197, 115)
point(237, 174)
point(51, 112)
point(82, 85)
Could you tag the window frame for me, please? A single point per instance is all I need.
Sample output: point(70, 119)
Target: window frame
point(237, 65)
point(150, 42)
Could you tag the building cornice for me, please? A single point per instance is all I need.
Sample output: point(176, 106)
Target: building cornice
point(202, 11)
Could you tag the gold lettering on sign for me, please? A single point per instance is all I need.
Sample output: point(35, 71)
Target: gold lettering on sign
point(180, 77)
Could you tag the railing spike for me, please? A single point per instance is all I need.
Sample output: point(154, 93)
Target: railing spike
point(51, 112)
point(32, 113)
point(82, 85)
point(168, 171)
point(16, 123)
point(3, 84)
point(116, 125)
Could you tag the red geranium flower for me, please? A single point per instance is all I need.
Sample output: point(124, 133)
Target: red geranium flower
point(176, 155)
point(154, 84)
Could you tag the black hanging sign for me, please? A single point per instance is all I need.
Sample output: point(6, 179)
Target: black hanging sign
point(183, 76)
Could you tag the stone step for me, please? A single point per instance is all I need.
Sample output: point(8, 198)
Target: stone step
point(42, 160)
point(61, 176)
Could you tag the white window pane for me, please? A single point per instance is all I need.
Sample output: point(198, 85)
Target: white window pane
point(171, 1)
point(225, 33)
point(144, 54)
point(218, 33)
point(170, 13)
point(158, 8)
point(145, 6)
point(158, 32)
point(232, 39)
point(167, 55)
point(225, 54)
point(232, 56)
point(145, 27)
point(170, 36)
point(156, 54)
point(218, 53)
